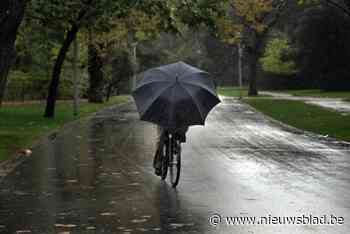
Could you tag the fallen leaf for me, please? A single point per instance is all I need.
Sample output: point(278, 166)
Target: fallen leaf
point(139, 220)
point(71, 181)
point(107, 214)
point(65, 225)
point(177, 225)
point(25, 152)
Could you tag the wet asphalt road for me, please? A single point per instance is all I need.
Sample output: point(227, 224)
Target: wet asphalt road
point(96, 176)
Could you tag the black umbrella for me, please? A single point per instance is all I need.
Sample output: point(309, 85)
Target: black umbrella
point(175, 95)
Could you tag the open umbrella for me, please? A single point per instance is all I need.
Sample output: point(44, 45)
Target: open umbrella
point(175, 95)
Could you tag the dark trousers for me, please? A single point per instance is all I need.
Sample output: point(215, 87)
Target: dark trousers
point(179, 133)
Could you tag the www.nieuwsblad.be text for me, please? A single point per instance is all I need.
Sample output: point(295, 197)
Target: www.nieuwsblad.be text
point(217, 219)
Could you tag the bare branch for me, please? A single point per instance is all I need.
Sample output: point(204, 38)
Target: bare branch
point(278, 12)
point(339, 6)
point(82, 13)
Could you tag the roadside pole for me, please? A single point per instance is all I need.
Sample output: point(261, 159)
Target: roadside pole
point(134, 54)
point(240, 56)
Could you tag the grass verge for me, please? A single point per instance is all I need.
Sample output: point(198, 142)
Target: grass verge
point(231, 91)
point(318, 93)
point(305, 116)
point(21, 125)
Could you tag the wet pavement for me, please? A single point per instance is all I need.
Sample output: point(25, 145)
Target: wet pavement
point(96, 176)
point(337, 104)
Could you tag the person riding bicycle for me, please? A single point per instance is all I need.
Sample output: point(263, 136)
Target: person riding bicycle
point(179, 133)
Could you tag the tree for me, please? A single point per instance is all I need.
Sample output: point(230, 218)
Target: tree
point(134, 28)
point(121, 69)
point(11, 15)
point(95, 64)
point(248, 22)
point(277, 57)
point(69, 17)
point(322, 39)
point(142, 24)
point(341, 5)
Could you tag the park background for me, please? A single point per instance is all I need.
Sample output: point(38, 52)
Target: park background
point(88, 55)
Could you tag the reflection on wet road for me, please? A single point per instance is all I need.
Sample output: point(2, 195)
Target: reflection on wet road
point(96, 176)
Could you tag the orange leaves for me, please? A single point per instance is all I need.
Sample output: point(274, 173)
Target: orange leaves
point(253, 11)
point(244, 14)
point(137, 23)
point(228, 30)
point(145, 26)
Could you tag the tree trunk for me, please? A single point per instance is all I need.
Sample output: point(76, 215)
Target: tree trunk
point(253, 51)
point(253, 66)
point(11, 15)
point(76, 77)
point(95, 75)
point(109, 91)
point(53, 88)
point(240, 69)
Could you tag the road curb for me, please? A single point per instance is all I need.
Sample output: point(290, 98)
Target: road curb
point(9, 165)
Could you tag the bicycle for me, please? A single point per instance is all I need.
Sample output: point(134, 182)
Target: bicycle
point(171, 158)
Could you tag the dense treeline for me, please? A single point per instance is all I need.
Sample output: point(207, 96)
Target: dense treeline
point(109, 33)
point(315, 52)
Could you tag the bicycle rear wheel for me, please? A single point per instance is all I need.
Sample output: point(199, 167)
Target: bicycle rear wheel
point(175, 163)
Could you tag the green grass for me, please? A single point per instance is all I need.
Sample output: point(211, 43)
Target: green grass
point(231, 91)
point(21, 125)
point(318, 93)
point(304, 116)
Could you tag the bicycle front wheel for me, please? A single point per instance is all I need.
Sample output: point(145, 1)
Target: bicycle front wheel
point(165, 158)
point(175, 163)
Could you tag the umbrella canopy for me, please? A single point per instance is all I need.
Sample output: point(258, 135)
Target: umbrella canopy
point(175, 95)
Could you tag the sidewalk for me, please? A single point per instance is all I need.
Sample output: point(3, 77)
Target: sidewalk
point(337, 104)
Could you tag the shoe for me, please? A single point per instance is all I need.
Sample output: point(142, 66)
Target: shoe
point(157, 171)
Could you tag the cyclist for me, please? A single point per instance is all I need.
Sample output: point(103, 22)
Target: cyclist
point(179, 133)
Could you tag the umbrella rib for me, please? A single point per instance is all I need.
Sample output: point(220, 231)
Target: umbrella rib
point(196, 72)
point(199, 85)
point(196, 84)
point(150, 82)
point(172, 96)
point(164, 72)
point(154, 70)
point(195, 101)
point(155, 98)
